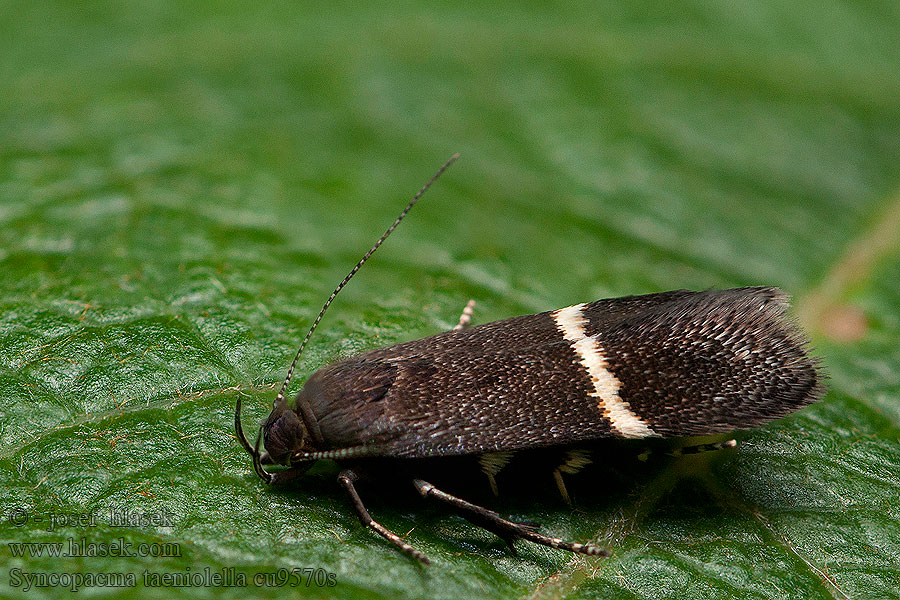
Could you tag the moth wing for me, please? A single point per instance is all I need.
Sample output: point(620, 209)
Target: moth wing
point(678, 363)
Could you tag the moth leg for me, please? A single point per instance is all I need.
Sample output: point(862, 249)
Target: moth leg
point(346, 478)
point(281, 477)
point(695, 449)
point(698, 448)
point(572, 463)
point(509, 531)
point(466, 317)
point(491, 464)
point(561, 486)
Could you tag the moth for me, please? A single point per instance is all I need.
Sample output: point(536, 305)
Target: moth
point(678, 363)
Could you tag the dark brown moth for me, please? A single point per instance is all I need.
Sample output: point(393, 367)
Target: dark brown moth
point(670, 364)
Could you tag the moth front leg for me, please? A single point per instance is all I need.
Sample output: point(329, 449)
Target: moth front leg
point(347, 478)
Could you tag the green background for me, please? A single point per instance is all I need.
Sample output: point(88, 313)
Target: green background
point(181, 185)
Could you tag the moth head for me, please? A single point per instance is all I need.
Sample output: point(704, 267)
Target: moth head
point(287, 437)
point(285, 434)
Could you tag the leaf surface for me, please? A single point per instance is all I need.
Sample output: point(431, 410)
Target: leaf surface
point(180, 190)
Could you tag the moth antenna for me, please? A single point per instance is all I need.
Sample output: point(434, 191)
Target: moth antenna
point(239, 431)
point(280, 398)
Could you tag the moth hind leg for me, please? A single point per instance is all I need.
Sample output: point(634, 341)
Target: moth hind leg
point(693, 449)
point(507, 530)
point(701, 448)
point(465, 319)
point(347, 478)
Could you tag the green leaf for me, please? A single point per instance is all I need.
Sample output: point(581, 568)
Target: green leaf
point(181, 187)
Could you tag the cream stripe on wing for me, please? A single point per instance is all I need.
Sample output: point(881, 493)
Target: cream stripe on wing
point(570, 321)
